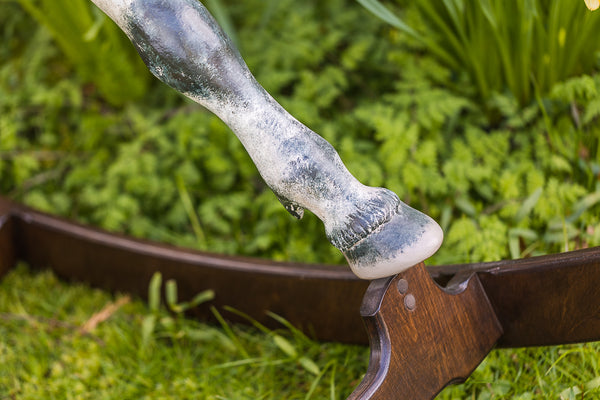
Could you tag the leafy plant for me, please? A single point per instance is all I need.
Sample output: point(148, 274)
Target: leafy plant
point(164, 169)
point(504, 45)
point(159, 324)
point(95, 46)
point(45, 354)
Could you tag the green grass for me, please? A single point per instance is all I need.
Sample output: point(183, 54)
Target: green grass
point(44, 355)
point(46, 352)
point(505, 45)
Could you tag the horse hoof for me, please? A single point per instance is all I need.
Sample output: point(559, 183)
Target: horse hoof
point(406, 239)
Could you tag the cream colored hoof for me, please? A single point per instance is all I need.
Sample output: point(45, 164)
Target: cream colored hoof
point(407, 239)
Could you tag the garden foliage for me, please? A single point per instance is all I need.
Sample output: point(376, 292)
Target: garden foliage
point(92, 44)
point(498, 46)
point(145, 352)
point(498, 143)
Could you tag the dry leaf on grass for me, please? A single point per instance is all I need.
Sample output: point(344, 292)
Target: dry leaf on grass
point(103, 315)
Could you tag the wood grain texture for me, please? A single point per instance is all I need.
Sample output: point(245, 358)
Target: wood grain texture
point(414, 353)
point(545, 300)
point(540, 300)
point(423, 338)
point(7, 253)
point(306, 295)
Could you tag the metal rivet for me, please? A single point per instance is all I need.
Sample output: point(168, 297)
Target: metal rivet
point(402, 286)
point(410, 302)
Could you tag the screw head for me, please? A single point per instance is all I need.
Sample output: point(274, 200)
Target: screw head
point(410, 302)
point(402, 286)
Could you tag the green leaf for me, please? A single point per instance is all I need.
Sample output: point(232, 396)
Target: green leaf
point(154, 292)
point(168, 323)
point(285, 346)
point(309, 365)
point(464, 204)
point(200, 298)
point(593, 384)
point(186, 200)
point(571, 393)
point(514, 246)
point(206, 335)
point(514, 240)
point(529, 234)
point(297, 332)
point(528, 204)
point(381, 12)
point(583, 205)
point(148, 325)
point(171, 294)
point(229, 332)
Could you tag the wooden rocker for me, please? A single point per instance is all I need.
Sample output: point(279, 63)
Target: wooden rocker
point(427, 328)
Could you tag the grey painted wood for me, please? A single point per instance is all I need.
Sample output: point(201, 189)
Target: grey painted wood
point(183, 46)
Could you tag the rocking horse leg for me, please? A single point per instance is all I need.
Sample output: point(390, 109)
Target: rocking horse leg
point(185, 48)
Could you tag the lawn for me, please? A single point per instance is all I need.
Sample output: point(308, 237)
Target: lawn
point(68, 341)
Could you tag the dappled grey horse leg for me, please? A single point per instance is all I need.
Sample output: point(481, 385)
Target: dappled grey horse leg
point(183, 46)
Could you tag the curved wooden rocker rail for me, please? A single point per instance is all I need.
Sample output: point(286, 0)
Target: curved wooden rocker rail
point(427, 327)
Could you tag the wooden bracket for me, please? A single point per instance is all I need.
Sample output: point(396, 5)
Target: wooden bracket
point(423, 337)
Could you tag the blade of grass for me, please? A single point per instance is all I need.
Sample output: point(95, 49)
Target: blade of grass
point(229, 332)
point(528, 204)
point(154, 292)
point(381, 12)
point(284, 345)
point(171, 294)
point(316, 381)
point(332, 395)
point(248, 318)
point(189, 209)
point(298, 333)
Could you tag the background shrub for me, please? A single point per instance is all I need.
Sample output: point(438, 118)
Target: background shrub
point(511, 46)
point(519, 180)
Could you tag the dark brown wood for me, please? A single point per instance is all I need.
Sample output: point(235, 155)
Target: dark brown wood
point(422, 337)
point(540, 300)
point(7, 253)
point(537, 301)
point(546, 300)
point(306, 295)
